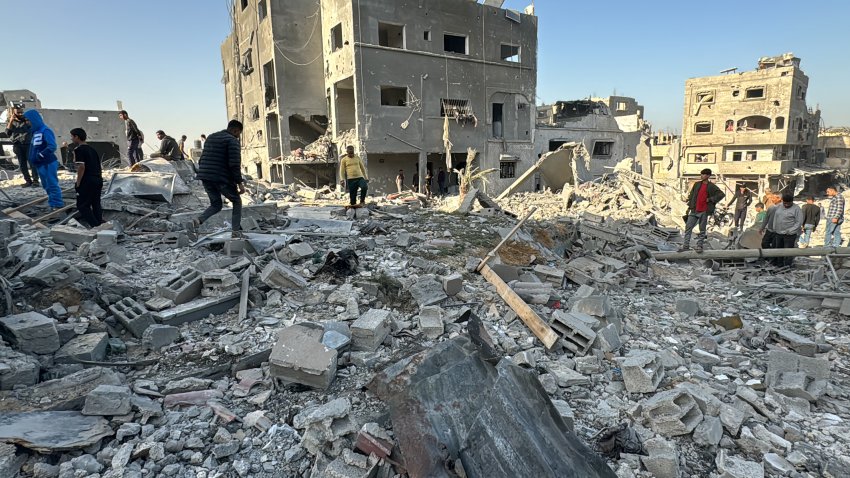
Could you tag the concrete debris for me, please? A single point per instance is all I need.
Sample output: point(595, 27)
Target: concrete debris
point(50, 432)
point(369, 330)
point(642, 371)
point(108, 400)
point(299, 356)
point(280, 276)
point(31, 332)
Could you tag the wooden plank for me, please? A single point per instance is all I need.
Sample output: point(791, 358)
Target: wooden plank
point(533, 321)
point(52, 214)
point(243, 296)
point(32, 203)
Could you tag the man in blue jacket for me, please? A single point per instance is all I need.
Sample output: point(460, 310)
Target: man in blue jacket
point(42, 155)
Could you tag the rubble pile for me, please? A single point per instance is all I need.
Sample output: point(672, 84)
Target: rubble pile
point(376, 345)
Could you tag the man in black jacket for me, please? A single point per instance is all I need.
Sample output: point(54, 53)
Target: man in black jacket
point(18, 130)
point(220, 171)
point(702, 201)
point(168, 148)
point(742, 199)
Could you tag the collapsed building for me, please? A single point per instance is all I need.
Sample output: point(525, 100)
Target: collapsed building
point(834, 148)
point(411, 85)
point(753, 128)
point(105, 130)
point(610, 129)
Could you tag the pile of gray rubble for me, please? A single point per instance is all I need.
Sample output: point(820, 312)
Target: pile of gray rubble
point(326, 344)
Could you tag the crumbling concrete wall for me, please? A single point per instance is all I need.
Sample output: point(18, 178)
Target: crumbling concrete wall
point(102, 126)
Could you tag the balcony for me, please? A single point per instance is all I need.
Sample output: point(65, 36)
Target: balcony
point(743, 168)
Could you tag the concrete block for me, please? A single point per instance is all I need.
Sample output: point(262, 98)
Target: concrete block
point(566, 376)
point(132, 315)
point(595, 306)
point(642, 371)
point(181, 287)
point(566, 413)
point(732, 418)
point(735, 467)
point(452, 284)
point(845, 307)
point(662, 460)
point(583, 291)
point(63, 234)
point(176, 240)
point(608, 339)
point(673, 412)
point(780, 362)
point(157, 304)
point(467, 201)
point(800, 344)
point(799, 385)
point(234, 247)
point(688, 307)
point(299, 356)
point(51, 272)
point(30, 332)
point(709, 431)
point(17, 368)
point(158, 336)
point(280, 276)
point(575, 335)
point(830, 303)
point(218, 282)
point(300, 250)
point(505, 272)
point(403, 239)
point(108, 400)
point(431, 321)
point(83, 347)
point(548, 274)
point(107, 238)
point(370, 330)
point(427, 291)
point(588, 365)
point(8, 228)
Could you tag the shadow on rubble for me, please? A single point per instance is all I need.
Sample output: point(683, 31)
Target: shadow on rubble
point(457, 414)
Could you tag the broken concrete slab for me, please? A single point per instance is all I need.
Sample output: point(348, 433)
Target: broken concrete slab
point(51, 432)
point(483, 396)
point(736, 467)
point(51, 272)
point(280, 276)
point(427, 291)
point(62, 234)
point(642, 371)
point(299, 356)
point(688, 307)
point(30, 332)
point(798, 343)
point(83, 347)
point(66, 393)
point(662, 459)
point(158, 336)
point(10, 461)
point(17, 368)
point(709, 431)
point(108, 400)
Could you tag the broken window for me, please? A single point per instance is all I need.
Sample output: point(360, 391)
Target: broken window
point(602, 149)
point(427, 35)
point(270, 85)
point(730, 125)
point(510, 53)
point(755, 93)
point(262, 10)
point(705, 97)
point(455, 44)
point(255, 112)
point(336, 37)
point(752, 155)
point(736, 156)
point(393, 96)
point(801, 93)
point(498, 115)
point(507, 169)
point(622, 106)
point(244, 4)
point(735, 92)
point(702, 127)
point(390, 35)
point(754, 123)
point(453, 108)
point(701, 158)
point(799, 124)
point(247, 63)
point(780, 122)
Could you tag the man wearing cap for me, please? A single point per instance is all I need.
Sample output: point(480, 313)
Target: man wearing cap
point(168, 147)
point(702, 201)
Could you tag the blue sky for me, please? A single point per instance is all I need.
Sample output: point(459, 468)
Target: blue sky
point(161, 58)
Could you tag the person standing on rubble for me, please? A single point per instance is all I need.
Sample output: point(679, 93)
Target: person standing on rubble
point(399, 180)
point(787, 224)
point(811, 219)
point(702, 201)
point(135, 138)
point(42, 155)
point(182, 145)
point(18, 131)
point(168, 148)
point(89, 184)
point(353, 172)
point(834, 218)
point(220, 169)
point(441, 181)
point(742, 199)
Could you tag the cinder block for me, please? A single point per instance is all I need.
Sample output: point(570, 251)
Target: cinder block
point(83, 347)
point(219, 281)
point(370, 330)
point(107, 238)
point(299, 356)
point(575, 335)
point(8, 228)
point(662, 459)
point(673, 412)
point(279, 276)
point(549, 274)
point(181, 287)
point(300, 250)
point(608, 339)
point(452, 284)
point(30, 332)
point(431, 321)
point(234, 247)
point(132, 315)
point(642, 371)
point(63, 234)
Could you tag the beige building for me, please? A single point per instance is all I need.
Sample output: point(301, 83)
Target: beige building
point(834, 148)
point(752, 127)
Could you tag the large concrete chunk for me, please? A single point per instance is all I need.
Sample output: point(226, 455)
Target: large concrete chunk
point(83, 347)
point(51, 272)
point(62, 234)
point(66, 393)
point(662, 459)
point(132, 315)
point(642, 371)
point(299, 356)
point(280, 276)
point(108, 400)
point(30, 332)
point(797, 376)
point(182, 286)
point(673, 412)
point(500, 422)
point(370, 330)
point(51, 432)
point(427, 291)
point(17, 368)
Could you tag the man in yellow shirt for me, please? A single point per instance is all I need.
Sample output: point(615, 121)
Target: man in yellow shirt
point(353, 172)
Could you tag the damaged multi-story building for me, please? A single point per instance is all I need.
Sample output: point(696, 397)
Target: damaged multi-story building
point(752, 128)
point(610, 129)
point(412, 84)
point(834, 148)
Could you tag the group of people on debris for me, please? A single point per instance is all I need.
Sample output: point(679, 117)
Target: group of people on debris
point(782, 225)
point(442, 188)
point(169, 148)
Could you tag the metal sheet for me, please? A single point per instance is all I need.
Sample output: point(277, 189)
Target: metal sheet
point(151, 186)
point(181, 168)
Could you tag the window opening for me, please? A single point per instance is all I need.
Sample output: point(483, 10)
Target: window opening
point(498, 114)
point(262, 9)
point(336, 37)
point(507, 170)
point(754, 93)
point(393, 96)
point(390, 35)
point(702, 127)
point(510, 53)
point(752, 155)
point(427, 35)
point(780, 122)
point(602, 149)
point(455, 44)
point(736, 156)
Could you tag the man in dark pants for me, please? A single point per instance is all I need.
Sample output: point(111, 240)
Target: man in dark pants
point(787, 224)
point(220, 169)
point(89, 184)
point(135, 138)
point(353, 172)
point(168, 148)
point(702, 201)
point(742, 199)
point(18, 130)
